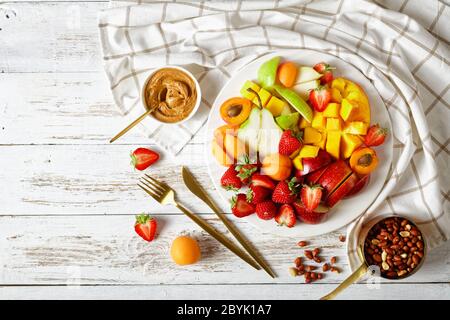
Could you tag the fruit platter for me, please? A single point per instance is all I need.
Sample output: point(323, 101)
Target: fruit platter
point(298, 143)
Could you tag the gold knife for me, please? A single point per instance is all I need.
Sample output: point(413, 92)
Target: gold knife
point(197, 189)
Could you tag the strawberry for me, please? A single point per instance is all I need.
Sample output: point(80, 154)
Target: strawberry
point(375, 136)
point(261, 180)
point(326, 71)
point(145, 227)
point(311, 196)
point(286, 216)
point(266, 210)
point(310, 217)
point(142, 158)
point(289, 143)
point(285, 192)
point(319, 98)
point(230, 180)
point(327, 77)
point(245, 169)
point(257, 194)
point(240, 206)
point(321, 67)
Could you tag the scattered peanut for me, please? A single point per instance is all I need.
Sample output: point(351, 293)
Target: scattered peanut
point(302, 243)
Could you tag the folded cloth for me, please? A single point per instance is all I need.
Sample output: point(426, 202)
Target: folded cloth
point(405, 56)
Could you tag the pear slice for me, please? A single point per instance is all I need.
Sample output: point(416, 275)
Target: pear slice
point(306, 74)
point(269, 135)
point(304, 88)
point(248, 133)
point(267, 72)
point(295, 101)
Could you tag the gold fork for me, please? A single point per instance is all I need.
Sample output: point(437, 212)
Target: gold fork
point(165, 195)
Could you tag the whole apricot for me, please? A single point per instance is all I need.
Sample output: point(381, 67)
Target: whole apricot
point(185, 250)
point(277, 166)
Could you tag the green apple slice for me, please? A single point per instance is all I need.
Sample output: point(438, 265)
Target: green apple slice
point(288, 121)
point(295, 101)
point(267, 72)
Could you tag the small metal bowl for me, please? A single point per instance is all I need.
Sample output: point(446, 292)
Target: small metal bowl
point(365, 232)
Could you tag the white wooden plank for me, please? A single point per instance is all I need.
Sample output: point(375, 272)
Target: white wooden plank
point(50, 37)
point(104, 250)
point(228, 292)
point(90, 179)
point(62, 108)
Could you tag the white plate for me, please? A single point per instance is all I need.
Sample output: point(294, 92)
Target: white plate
point(346, 210)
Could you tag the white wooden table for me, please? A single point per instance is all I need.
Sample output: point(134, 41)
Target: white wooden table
point(68, 197)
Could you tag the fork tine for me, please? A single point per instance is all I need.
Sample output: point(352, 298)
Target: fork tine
point(153, 195)
point(159, 183)
point(151, 187)
point(157, 186)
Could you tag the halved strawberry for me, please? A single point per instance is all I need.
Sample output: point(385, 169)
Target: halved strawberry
point(310, 217)
point(311, 196)
point(286, 216)
point(145, 227)
point(375, 136)
point(257, 194)
point(266, 210)
point(262, 180)
point(142, 158)
point(230, 180)
point(285, 191)
point(319, 98)
point(245, 169)
point(290, 143)
point(240, 206)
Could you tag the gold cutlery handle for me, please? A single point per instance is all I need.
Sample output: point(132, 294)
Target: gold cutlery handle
point(197, 190)
point(218, 236)
point(131, 125)
point(347, 282)
point(244, 244)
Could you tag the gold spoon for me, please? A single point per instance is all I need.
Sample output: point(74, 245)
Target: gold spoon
point(131, 125)
point(362, 270)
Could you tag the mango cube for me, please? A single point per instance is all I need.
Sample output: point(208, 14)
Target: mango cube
point(264, 95)
point(304, 123)
point(348, 108)
point(332, 110)
point(308, 151)
point(298, 163)
point(321, 143)
point(349, 143)
point(333, 143)
point(275, 106)
point(318, 121)
point(334, 124)
point(356, 127)
point(336, 95)
point(247, 94)
point(311, 135)
point(339, 83)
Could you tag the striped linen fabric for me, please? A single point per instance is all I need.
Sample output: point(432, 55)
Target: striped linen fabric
point(401, 46)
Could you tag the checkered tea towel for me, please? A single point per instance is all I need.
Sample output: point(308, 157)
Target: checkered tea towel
point(400, 46)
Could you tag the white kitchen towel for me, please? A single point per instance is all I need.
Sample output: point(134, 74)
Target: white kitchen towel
point(400, 46)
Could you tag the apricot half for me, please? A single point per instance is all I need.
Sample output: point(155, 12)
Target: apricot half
point(235, 111)
point(363, 160)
